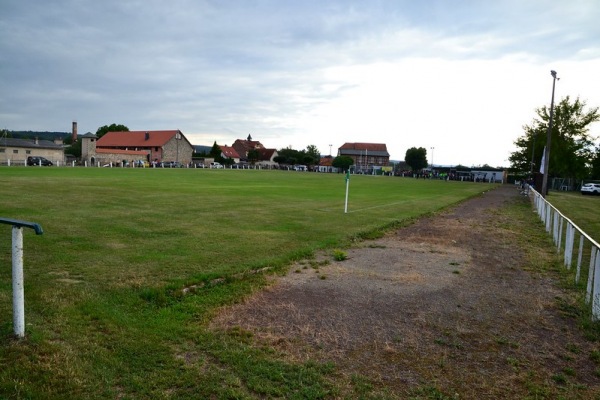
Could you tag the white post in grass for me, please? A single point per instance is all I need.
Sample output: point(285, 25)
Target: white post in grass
point(17, 281)
point(347, 185)
point(17, 270)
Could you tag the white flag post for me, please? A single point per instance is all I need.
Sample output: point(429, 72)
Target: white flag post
point(347, 185)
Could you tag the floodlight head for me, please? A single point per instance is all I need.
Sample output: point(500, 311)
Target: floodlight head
point(553, 73)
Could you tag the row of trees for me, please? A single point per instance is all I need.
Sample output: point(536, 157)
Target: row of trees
point(573, 153)
point(288, 156)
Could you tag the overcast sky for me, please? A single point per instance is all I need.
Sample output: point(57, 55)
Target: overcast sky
point(461, 77)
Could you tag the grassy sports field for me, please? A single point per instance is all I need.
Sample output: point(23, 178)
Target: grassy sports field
point(133, 262)
point(584, 211)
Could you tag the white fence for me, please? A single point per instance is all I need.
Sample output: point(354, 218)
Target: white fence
point(564, 233)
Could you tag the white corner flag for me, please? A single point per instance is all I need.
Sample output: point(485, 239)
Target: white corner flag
point(347, 185)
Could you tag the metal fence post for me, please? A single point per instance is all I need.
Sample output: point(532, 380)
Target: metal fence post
point(596, 294)
point(592, 270)
point(17, 281)
point(17, 271)
point(579, 258)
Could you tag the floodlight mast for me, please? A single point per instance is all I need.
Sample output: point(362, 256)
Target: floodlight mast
point(548, 139)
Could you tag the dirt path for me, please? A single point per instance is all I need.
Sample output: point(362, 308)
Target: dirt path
point(442, 306)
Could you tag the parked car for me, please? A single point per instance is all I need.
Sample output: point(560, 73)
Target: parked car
point(38, 161)
point(591, 188)
point(215, 165)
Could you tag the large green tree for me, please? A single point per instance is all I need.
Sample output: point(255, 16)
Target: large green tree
point(416, 158)
point(288, 156)
point(342, 162)
point(595, 174)
point(253, 156)
point(72, 148)
point(216, 153)
point(313, 156)
point(111, 128)
point(572, 148)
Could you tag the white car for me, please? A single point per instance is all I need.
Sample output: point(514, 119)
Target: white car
point(591, 188)
point(215, 165)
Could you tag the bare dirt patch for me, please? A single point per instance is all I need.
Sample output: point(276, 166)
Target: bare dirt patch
point(442, 305)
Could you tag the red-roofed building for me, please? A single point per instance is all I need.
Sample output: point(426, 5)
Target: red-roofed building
point(366, 155)
point(326, 165)
point(244, 146)
point(265, 156)
point(229, 152)
point(116, 147)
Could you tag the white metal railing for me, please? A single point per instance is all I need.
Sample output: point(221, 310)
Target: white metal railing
point(555, 222)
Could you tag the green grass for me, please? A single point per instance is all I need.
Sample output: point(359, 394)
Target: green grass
point(134, 262)
point(584, 211)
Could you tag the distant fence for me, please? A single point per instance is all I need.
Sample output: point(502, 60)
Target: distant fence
point(564, 234)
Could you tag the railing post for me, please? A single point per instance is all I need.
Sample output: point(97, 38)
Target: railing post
point(590, 282)
point(17, 281)
point(559, 233)
point(579, 258)
point(569, 238)
point(596, 294)
point(17, 271)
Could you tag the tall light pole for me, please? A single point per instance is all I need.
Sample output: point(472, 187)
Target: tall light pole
point(432, 148)
point(549, 138)
point(330, 150)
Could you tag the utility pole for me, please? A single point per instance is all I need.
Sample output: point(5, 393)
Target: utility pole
point(549, 139)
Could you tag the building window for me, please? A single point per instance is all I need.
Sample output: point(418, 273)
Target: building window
point(15, 151)
point(2, 150)
point(27, 151)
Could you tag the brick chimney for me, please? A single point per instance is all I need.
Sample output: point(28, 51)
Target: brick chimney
point(74, 131)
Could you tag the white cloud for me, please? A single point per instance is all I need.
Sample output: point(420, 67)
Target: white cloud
point(463, 78)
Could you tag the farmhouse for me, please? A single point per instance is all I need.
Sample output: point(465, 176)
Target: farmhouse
point(265, 156)
point(366, 156)
point(16, 151)
point(326, 165)
point(133, 146)
point(229, 152)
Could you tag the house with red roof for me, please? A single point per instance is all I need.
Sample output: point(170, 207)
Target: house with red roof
point(134, 146)
point(326, 165)
point(265, 156)
point(229, 152)
point(366, 156)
